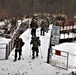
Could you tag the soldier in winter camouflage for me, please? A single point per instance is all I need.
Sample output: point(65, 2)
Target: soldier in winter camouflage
point(18, 47)
point(44, 27)
point(33, 27)
point(36, 43)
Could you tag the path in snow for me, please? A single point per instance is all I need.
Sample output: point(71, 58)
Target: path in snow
point(38, 66)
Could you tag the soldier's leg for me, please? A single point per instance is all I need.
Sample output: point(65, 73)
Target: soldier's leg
point(47, 30)
point(15, 55)
point(33, 54)
point(32, 32)
point(35, 32)
point(41, 31)
point(37, 51)
point(20, 53)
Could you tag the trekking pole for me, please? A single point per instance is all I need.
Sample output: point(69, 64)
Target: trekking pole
point(28, 34)
point(30, 50)
point(13, 53)
point(38, 32)
point(22, 57)
point(41, 53)
point(46, 33)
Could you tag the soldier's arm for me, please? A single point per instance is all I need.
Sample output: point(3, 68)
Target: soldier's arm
point(31, 42)
point(31, 25)
point(39, 42)
point(14, 43)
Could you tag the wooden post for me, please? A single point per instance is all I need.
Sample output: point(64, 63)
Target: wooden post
point(49, 50)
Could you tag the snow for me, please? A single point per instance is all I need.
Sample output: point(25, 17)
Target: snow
point(2, 23)
point(4, 40)
point(37, 66)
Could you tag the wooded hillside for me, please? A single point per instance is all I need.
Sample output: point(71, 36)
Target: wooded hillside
point(22, 7)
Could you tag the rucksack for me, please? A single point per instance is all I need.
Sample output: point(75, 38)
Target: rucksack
point(22, 43)
point(36, 43)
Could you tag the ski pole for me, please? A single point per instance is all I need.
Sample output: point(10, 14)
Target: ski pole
point(30, 50)
point(38, 33)
point(22, 57)
point(28, 34)
point(41, 53)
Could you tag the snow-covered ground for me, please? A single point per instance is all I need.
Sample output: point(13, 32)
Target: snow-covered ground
point(2, 23)
point(37, 66)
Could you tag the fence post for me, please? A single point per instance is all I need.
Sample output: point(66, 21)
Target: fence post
point(6, 51)
point(49, 49)
point(67, 59)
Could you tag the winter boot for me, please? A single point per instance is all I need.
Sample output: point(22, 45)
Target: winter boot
point(14, 60)
point(37, 55)
point(33, 57)
point(19, 58)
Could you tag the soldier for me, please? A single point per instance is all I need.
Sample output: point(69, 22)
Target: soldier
point(47, 23)
point(33, 27)
point(35, 16)
point(43, 27)
point(14, 22)
point(18, 47)
point(36, 43)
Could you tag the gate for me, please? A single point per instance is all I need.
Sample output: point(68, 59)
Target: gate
point(59, 59)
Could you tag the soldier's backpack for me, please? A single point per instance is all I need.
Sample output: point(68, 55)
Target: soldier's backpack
point(36, 43)
point(22, 43)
